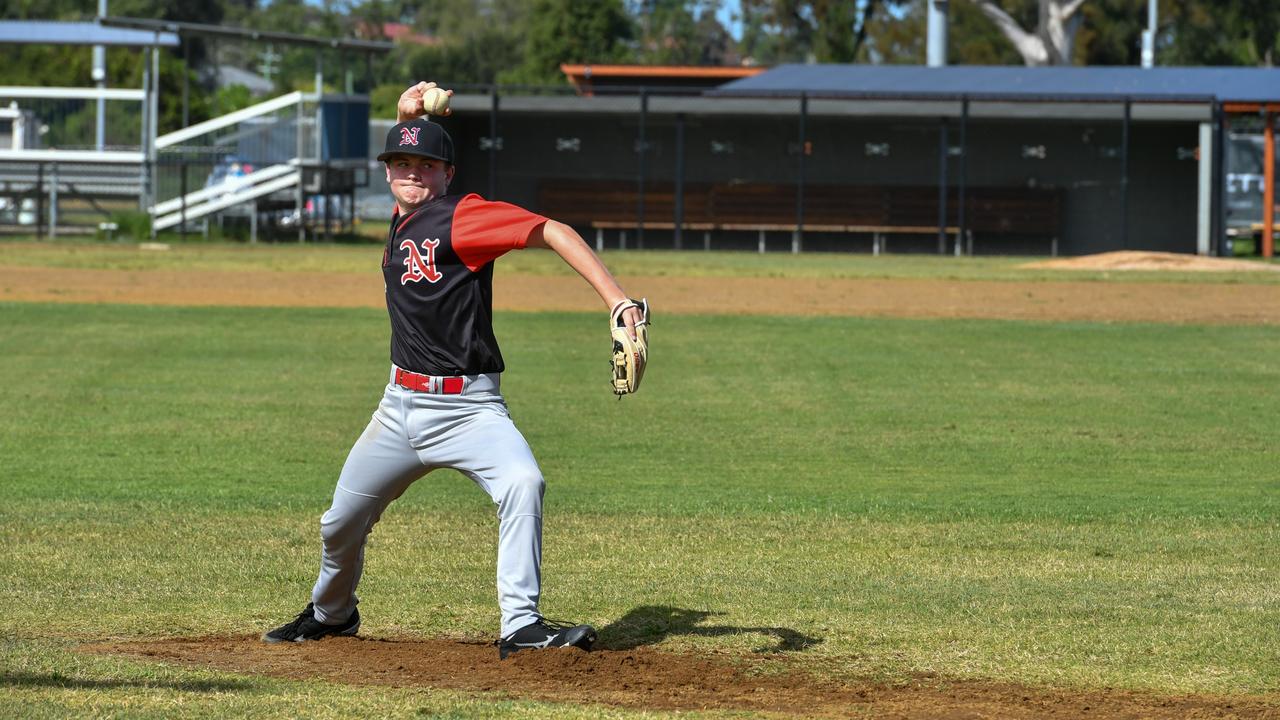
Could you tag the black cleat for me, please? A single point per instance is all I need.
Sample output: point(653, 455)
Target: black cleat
point(306, 627)
point(545, 634)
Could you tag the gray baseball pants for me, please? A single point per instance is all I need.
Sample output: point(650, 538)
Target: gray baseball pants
point(411, 434)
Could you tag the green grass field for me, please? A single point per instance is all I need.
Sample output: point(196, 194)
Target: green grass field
point(356, 259)
point(1083, 505)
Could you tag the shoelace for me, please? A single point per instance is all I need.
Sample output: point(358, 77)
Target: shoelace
point(553, 625)
point(303, 616)
point(557, 625)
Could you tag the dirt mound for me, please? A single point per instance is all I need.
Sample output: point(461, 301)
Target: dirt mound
point(1138, 260)
point(643, 677)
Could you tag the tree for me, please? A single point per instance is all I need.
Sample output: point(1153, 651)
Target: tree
point(1232, 32)
point(1053, 40)
point(680, 32)
point(571, 31)
point(777, 31)
point(1111, 33)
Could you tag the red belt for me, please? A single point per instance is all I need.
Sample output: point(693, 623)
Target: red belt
point(429, 383)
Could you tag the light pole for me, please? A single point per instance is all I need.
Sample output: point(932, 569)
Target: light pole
point(100, 78)
point(937, 28)
point(1149, 37)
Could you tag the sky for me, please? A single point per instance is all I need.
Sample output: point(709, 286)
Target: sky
point(726, 16)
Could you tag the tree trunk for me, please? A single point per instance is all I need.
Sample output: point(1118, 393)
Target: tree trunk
point(1055, 37)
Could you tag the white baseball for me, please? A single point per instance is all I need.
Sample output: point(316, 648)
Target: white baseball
point(435, 101)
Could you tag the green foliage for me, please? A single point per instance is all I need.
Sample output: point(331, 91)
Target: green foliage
point(975, 40)
point(679, 32)
point(132, 224)
point(571, 31)
point(480, 59)
point(1112, 32)
point(230, 98)
point(777, 31)
point(1235, 32)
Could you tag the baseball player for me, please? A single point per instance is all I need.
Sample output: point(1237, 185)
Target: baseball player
point(442, 407)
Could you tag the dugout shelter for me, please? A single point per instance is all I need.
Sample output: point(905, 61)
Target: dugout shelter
point(954, 160)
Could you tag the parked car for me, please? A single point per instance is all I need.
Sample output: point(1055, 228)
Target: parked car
point(227, 171)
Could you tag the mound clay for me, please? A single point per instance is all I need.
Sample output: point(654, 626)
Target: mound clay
point(643, 677)
point(1157, 261)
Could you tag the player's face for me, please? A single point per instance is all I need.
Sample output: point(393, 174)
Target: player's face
point(414, 179)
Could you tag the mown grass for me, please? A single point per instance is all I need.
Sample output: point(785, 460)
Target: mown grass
point(1078, 504)
point(629, 263)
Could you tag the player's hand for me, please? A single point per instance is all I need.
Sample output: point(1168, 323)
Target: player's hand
point(410, 106)
point(630, 317)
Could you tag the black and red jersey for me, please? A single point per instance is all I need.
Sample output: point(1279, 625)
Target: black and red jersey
point(438, 267)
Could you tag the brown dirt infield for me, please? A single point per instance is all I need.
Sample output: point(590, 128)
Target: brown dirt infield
point(646, 678)
point(1162, 302)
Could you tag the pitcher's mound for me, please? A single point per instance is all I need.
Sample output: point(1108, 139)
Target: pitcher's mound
point(1143, 260)
point(649, 679)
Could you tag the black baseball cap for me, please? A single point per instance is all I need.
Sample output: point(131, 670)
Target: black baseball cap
point(418, 137)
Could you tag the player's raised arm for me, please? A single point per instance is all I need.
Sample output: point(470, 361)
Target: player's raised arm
point(570, 246)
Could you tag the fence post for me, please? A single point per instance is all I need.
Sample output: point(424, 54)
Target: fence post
point(38, 192)
point(182, 194)
point(53, 204)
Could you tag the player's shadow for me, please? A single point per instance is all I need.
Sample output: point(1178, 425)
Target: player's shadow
point(650, 624)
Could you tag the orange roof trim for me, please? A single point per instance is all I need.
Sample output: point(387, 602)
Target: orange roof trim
point(672, 71)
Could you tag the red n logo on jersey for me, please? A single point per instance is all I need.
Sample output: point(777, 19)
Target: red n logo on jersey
point(409, 136)
point(416, 268)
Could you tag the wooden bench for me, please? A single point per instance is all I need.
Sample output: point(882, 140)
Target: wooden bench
point(762, 208)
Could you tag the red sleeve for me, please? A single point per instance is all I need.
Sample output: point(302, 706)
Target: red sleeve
point(483, 230)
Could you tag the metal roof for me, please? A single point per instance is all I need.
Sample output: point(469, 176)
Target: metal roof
point(1039, 84)
point(186, 28)
point(49, 32)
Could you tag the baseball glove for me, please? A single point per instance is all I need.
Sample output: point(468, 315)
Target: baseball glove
point(629, 356)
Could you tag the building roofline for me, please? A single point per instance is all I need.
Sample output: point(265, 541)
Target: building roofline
point(185, 28)
point(56, 32)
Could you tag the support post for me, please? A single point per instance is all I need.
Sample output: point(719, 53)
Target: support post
point(1124, 175)
point(679, 198)
point(1269, 187)
point(797, 239)
point(963, 181)
point(186, 81)
point(640, 163)
point(298, 203)
point(1219, 181)
point(100, 79)
point(493, 143)
point(1204, 190)
point(942, 186)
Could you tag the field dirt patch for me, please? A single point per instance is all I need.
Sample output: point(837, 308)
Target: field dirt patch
point(1090, 301)
point(1142, 260)
point(646, 678)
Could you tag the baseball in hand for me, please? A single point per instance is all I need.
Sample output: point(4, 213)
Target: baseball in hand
point(435, 101)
